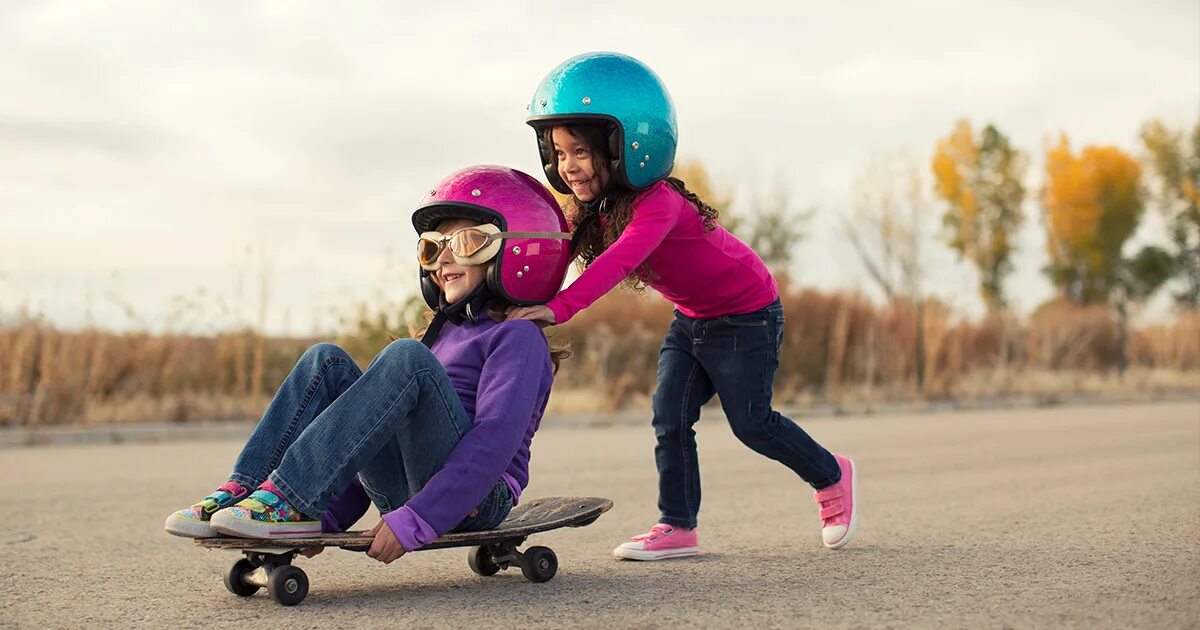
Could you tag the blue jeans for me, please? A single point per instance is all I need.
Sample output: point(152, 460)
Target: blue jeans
point(393, 425)
point(734, 357)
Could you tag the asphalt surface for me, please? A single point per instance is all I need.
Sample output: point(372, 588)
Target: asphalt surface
point(1076, 517)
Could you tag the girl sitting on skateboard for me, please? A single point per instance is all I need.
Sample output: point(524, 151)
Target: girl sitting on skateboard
point(606, 133)
point(435, 432)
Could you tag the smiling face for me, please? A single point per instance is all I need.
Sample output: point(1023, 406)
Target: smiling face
point(578, 165)
point(455, 280)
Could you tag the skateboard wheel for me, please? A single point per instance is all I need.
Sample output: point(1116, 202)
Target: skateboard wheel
point(481, 562)
point(540, 564)
point(287, 585)
point(235, 578)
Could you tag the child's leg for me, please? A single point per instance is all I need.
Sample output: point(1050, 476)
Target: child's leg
point(397, 424)
point(415, 451)
point(683, 387)
point(322, 374)
point(741, 354)
point(319, 377)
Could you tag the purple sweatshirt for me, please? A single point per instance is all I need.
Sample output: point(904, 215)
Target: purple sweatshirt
point(502, 374)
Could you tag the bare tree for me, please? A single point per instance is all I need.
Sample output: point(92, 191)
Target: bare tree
point(886, 228)
point(776, 228)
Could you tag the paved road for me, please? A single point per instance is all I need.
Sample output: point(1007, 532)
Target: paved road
point(1083, 517)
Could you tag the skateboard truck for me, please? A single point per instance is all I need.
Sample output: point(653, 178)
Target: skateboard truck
point(538, 564)
point(287, 584)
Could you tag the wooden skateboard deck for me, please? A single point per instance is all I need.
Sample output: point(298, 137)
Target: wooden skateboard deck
point(267, 562)
point(538, 515)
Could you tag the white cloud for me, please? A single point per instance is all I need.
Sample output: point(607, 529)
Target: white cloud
point(160, 141)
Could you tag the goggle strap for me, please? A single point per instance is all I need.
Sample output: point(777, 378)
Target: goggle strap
point(493, 237)
point(564, 235)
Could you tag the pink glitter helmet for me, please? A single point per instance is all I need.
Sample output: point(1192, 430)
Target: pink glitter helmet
point(534, 244)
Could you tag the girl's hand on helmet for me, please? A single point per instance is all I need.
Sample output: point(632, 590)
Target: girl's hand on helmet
point(540, 314)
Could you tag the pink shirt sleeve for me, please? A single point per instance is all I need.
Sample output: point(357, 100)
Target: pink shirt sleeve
point(653, 218)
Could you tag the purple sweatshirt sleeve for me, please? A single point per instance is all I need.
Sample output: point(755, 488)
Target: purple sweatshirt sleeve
point(654, 215)
point(345, 508)
point(509, 384)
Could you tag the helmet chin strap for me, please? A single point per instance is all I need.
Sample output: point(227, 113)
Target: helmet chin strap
point(468, 309)
point(592, 211)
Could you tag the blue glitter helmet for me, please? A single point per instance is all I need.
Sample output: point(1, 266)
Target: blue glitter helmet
point(620, 92)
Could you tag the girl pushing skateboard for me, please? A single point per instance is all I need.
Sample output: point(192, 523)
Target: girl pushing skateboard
point(606, 135)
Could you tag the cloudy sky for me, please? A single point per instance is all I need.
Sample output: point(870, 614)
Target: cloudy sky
point(161, 162)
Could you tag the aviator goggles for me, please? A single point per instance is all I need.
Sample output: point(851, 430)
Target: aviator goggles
point(470, 246)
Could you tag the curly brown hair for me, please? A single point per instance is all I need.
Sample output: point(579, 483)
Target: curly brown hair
point(593, 236)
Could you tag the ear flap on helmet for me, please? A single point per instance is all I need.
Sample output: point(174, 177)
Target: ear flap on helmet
point(495, 283)
point(550, 163)
point(554, 179)
point(430, 291)
point(616, 150)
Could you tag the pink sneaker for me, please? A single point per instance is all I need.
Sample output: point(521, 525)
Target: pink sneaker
point(661, 542)
point(839, 508)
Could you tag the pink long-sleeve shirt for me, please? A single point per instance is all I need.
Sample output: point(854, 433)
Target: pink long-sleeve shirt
point(704, 274)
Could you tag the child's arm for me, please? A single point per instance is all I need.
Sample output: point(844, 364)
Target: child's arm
point(345, 508)
point(654, 215)
point(509, 388)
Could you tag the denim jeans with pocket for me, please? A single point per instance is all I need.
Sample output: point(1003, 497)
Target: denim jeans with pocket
point(734, 357)
point(393, 425)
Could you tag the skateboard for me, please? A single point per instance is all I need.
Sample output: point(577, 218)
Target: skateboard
point(268, 562)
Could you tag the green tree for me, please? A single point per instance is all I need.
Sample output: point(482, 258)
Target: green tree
point(979, 178)
point(1177, 194)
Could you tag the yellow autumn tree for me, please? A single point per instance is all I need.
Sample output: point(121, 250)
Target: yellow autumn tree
point(979, 178)
point(1092, 203)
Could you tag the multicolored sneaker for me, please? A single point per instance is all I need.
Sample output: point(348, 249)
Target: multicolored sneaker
point(661, 542)
point(264, 514)
point(839, 506)
point(193, 522)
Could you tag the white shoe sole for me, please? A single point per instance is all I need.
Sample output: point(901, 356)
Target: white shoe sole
point(639, 554)
point(225, 522)
point(189, 528)
point(845, 539)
